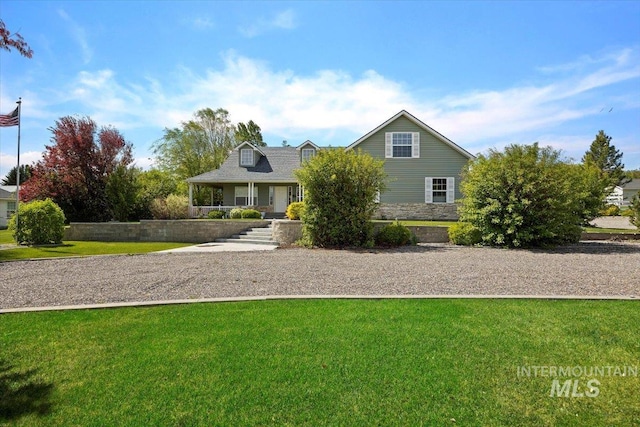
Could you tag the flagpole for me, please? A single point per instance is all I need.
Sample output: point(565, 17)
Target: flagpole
point(19, 102)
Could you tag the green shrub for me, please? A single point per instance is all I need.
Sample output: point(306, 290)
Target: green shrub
point(464, 233)
point(392, 235)
point(39, 222)
point(171, 207)
point(250, 213)
point(634, 208)
point(528, 196)
point(340, 197)
point(610, 210)
point(235, 213)
point(295, 210)
point(215, 214)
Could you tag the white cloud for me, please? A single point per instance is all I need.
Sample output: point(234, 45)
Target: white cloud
point(337, 104)
point(9, 161)
point(284, 20)
point(79, 34)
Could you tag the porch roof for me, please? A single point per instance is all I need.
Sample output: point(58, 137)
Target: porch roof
point(276, 165)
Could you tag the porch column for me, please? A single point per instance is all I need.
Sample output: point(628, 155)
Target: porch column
point(191, 199)
point(299, 192)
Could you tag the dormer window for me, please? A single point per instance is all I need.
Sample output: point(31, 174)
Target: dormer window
point(307, 154)
point(246, 157)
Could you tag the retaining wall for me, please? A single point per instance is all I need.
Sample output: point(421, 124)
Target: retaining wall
point(286, 232)
point(186, 231)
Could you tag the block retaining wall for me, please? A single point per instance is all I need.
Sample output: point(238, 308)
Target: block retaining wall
point(286, 232)
point(185, 231)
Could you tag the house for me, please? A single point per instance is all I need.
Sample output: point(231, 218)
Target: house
point(621, 195)
point(7, 203)
point(423, 166)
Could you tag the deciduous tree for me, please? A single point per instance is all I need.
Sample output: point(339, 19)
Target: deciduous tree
point(198, 146)
point(75, 169)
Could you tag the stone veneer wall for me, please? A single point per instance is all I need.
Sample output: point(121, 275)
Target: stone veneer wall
point(186, 231)
point(425, 211)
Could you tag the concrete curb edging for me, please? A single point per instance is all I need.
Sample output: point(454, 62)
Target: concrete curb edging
point(310, 297)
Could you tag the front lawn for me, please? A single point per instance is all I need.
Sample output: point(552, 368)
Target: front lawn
point(82, 248)
point(321, 362)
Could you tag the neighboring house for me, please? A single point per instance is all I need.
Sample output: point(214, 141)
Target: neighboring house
point(423, 166)
point(7, 203)
point(622, 194)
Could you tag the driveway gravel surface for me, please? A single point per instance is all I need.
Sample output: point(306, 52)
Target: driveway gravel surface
point(586, 269)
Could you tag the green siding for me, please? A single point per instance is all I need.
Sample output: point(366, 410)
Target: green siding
point(406, 175)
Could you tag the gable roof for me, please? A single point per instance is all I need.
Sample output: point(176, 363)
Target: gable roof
point(275, 165)
point(307, 142)
point(420, 124)
point(8, 191)
point(250, 145)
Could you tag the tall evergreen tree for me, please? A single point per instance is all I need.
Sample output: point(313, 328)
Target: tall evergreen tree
point(11, 177)
point(607, 158)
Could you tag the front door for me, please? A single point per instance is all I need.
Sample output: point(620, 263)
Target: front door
point(281, 197)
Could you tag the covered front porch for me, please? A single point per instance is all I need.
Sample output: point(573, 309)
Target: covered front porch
point(270, 198)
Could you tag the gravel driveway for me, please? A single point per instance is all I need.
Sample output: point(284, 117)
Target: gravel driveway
point(585, 269)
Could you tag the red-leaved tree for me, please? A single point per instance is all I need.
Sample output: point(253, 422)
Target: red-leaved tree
point(75, 169)
point(7, 41)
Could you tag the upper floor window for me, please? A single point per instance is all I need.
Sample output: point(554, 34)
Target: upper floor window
point(246, 157)
point(308, 153)
point(402, 144)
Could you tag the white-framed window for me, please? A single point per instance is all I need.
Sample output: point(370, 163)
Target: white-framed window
point(439, 189)
point(242, 196)
point(246, 157)
point(308, 153)
point(11, 208)
point(399, 145)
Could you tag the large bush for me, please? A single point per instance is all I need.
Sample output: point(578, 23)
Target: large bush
point(340, 192)
point(528, 196)
point(172, 207)
point(39, 222)
point(295, 210)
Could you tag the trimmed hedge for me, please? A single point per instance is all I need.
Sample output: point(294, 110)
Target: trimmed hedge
point(250, 213)
point(464, 233)
point(215, 214)
point(392, 235)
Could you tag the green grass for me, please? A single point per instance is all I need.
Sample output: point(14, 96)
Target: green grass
point(318, 362)
point(6, 237)
point(82, 248)
point(610, 230)
point(418, 223)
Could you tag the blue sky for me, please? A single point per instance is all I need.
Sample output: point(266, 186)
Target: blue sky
point(484, 74)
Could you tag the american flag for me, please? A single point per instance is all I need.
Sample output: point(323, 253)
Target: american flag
point(11, 119)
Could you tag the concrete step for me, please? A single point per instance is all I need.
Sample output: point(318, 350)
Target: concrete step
point(250, 241)
point(252, 236)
